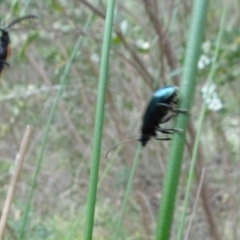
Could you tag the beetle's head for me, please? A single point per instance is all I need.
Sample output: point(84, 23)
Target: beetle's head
point(143, 139)
point(4, 37)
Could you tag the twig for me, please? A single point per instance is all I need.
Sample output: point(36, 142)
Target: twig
point(195, 203)
point(40, 70)
point(212, 225)
point(11, 190)
point(146, 75)
point(164, 42)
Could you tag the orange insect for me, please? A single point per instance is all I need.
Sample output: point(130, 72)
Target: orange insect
point(5, 48)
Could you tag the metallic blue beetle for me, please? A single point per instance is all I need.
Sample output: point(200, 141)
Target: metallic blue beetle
point(163, 101)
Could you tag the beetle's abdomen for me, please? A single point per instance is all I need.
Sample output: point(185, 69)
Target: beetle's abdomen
point(9, 51)
point(147, 132)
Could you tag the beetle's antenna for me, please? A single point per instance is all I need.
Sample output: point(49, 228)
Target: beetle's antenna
point(131, 140)
point(17, 20)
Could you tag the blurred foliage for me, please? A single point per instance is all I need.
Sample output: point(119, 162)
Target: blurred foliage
point(40, 50)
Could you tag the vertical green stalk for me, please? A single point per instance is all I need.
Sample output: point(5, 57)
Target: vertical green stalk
point(109, 165)
point(187, 88)
point(128, 190)
point(63, 83)
point(200, 124)
point(92, 192)
point(82, 213)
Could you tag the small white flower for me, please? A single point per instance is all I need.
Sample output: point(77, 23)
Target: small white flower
point(211, 98)
point(200, 65)
point(203, 62)
point(142, 44)
point(207, 90)
point(124, 27)
point(95, 58)
point(215, 104)
point(206, 46)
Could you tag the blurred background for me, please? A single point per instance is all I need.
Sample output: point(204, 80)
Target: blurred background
point(148, 44)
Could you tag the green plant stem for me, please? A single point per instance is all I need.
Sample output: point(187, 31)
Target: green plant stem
point(187, 88)
point(92, 192)
point(199, 128)
point(128, 190)
point(109, 165)
point(63, 83)
point(83, 210)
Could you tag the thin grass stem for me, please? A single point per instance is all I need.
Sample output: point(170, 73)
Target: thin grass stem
point(187, 88)
point(128, 190)
point(99, 116)
point(63, 84)
point(199, 128)
point(81, 214)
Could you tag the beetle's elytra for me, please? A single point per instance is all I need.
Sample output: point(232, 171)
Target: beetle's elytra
point(163, 101)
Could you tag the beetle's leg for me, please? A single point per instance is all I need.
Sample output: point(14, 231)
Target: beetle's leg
point(164, 131)
point(170, 107)
point(163, 139)
point(169, 130)
point(168, 118)
point(185, 111)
